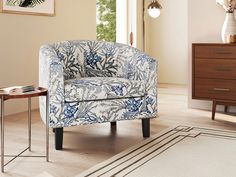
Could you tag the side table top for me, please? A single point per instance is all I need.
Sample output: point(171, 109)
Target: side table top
point(5, 94)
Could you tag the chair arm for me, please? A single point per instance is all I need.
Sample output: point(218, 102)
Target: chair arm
point(151, 81)
point(145, 68)
point(51, 77)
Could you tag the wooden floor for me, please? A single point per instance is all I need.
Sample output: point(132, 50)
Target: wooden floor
point(85, 146)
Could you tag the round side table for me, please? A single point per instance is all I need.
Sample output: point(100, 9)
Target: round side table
point(6, 95)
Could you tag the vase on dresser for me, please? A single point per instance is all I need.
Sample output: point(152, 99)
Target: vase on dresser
point(229, 27)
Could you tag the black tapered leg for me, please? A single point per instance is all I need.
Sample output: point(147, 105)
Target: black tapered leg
point(113, 124)
point(53, 130)
point(58, 138)
point(146, 127)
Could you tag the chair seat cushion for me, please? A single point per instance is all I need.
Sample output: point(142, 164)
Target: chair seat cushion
point(102, 88)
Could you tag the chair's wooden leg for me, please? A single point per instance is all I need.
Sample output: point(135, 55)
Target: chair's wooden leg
point(58, 138)
point(146, 127)
point(213, 110)
point(53, 130)
point(113, 124)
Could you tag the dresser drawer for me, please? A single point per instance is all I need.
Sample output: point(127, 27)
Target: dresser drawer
point(215, 89)
point(221, 69)
point(215, 51)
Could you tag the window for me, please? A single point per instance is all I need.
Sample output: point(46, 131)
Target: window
point(106, 20)
point(116, 19)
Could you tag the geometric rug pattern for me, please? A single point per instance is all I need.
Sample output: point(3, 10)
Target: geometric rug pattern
point(179, 151)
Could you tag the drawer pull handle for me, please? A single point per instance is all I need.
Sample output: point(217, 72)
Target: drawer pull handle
point(223, 69)
point(223, 53)
point(221, 89)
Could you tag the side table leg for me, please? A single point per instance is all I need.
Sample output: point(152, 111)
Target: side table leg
point(2, 134)
point(29, 122)
point(47, 128)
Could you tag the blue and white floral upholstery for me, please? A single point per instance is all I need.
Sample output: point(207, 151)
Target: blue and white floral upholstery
point(102, 88)
point(94, 82)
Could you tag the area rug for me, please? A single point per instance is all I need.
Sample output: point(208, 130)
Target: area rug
point(182, 151)
point(44, 174)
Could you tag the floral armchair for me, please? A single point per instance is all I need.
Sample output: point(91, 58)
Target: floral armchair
point(95, 82)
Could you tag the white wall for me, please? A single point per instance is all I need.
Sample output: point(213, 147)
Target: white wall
point(132, 21)
point(138, 32)
point(140, 24)
point(168, 41)
point(129, 18)
point(204, 25)
point(22, 35)
point(121, 22)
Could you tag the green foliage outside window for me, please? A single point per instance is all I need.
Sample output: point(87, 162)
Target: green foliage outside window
point(106, 23)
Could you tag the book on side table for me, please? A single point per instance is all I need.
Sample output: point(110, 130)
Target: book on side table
point(17, 89)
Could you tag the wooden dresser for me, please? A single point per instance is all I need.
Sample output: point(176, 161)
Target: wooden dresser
point(214, 74)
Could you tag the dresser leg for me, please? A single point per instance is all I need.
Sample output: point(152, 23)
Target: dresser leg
point(213, 110)
point(226, 109)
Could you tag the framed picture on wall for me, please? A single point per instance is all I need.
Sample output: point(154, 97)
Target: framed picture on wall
point(31, 7)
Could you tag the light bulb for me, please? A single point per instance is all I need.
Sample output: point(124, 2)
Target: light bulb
point(154, 13)
point(154, 9)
